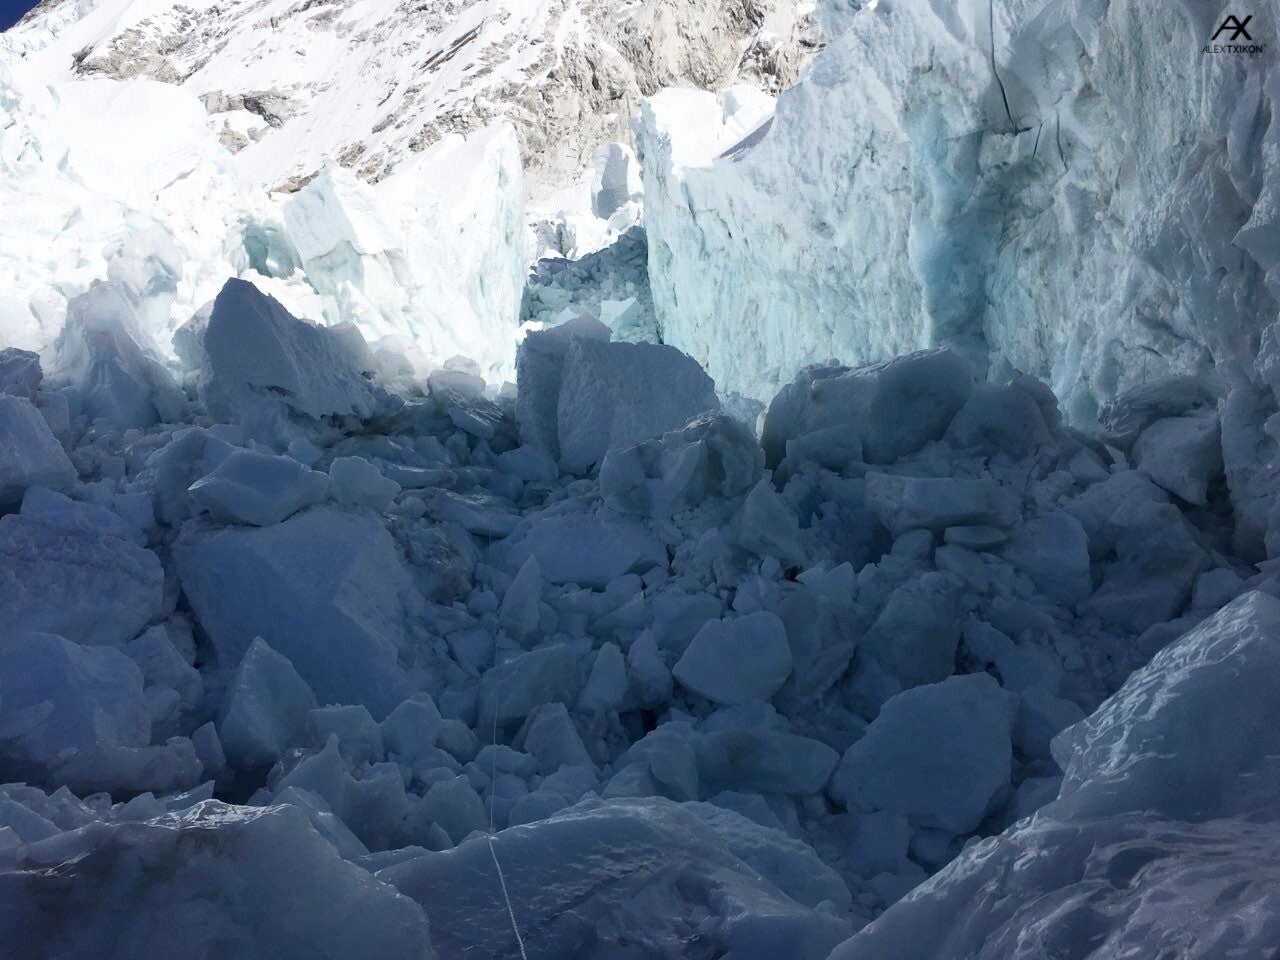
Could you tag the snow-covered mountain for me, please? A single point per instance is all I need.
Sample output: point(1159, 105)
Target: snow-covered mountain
point(418, 130)
point(292, 84)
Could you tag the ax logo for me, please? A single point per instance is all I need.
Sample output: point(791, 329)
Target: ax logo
point(1237, 38)
point(1236, 25)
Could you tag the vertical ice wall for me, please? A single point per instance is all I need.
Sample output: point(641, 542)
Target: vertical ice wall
point(434, 253)
point(1070, 189)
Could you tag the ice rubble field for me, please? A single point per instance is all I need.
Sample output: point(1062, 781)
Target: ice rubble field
point(293, 665)
point(316, 642)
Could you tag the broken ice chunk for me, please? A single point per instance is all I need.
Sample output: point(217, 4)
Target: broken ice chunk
point(1202, 714)
point(30, 454)
point(147, 889)
point(520, 611)
point(20, 372)
point(581, 396)
point(82, 585)
point(917, 632)
point(266, 709)
point(258, 488)
point(892, 408)
point(266, 366)
point(582, 872)
point(735, 661)
point(586, 549)
point(325, 588)
point(357, 482)
point(511, 690)
point(935, 503)
point(59, 699)
point(941, 754)
point(714, 456)
point(1182, 454)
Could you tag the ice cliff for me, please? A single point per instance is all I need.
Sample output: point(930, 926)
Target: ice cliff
point(1069, 190)
point(308, 149)
point(94, 183)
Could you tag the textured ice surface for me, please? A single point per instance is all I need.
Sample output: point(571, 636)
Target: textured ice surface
point(265, 710)
point(105, 352)
point(86, 585)
point(444, 268)
point(707, 695)
point(324, 588)
point(938, 754)
point(356, 481)
point(1189, 736)
point(587, 549)
point(583, 396)
point(894, 202)
point(1163, 836)
point(711, 456)
point(163, 215)
point(258, 488)
point(613, 877)
point(266, 366)
point(879, 412)
point(611, 284)
point(735, 661)
point(693, 696)
point(60, 699)
point(211, 878)
point(32, 455)
point(376, 178)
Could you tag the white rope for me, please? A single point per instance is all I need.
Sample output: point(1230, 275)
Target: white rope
point(502, 880)
point(493, 850)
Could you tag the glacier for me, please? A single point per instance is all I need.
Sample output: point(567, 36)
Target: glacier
point(635, 480)
point(1000, 178)
point(171, 218)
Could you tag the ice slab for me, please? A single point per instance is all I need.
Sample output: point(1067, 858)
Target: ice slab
point(940, 754)
point(325, 588)
point(260, 865)
point(31, 453)
point(82, 584)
